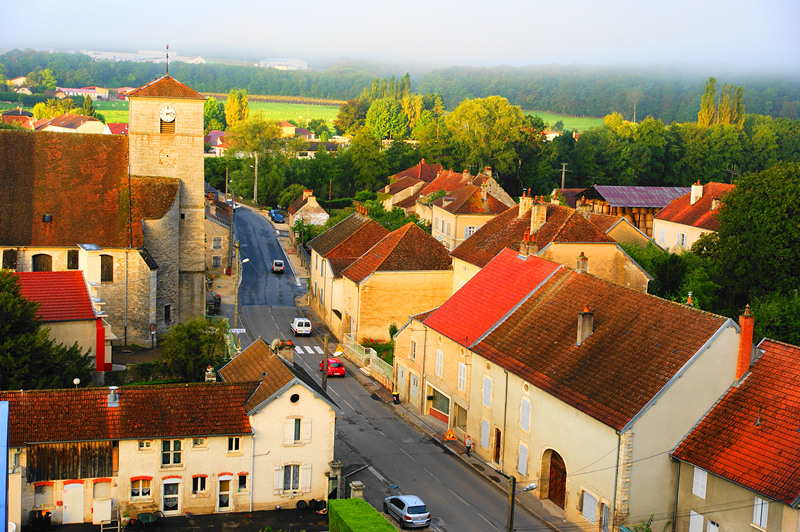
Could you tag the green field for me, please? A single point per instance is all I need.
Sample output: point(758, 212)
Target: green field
point(573, 123)
point(113, 112)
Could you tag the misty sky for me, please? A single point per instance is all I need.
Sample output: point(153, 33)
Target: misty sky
point(732, 34)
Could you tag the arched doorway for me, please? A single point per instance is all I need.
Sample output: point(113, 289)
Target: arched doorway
point(554, 478)
point(42, 262)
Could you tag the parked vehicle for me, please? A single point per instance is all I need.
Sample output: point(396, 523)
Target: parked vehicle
point(277, 266)
point(408, 509)
point(273, 212)
point(335, 367)
point(301, 326)
point(278, 218)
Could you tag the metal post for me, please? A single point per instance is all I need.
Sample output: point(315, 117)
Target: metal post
point(325, 365)
point(512, 488)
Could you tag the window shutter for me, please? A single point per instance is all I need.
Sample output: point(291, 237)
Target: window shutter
point(522, 465)
point(699, 482)
point(306, 430)
point(288, 431)
point(439, 362)
point(525, 415)
point(695, 522)
point(484, 434)
point(487, 392)
point(277, 488)
point(589, 507)
point(462, 376)
point(305, 478)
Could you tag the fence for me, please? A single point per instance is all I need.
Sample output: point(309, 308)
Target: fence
point(368, 361)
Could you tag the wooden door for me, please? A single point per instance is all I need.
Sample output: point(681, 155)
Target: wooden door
point(558, 480)
point(497, 444)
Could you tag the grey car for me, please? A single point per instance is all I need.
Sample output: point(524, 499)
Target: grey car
point(409, 510)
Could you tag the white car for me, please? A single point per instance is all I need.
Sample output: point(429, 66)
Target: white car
point(408, 509)
point(301, 326)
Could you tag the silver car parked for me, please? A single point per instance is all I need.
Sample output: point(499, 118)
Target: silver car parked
point(408, 509)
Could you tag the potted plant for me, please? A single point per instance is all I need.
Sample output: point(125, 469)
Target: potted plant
point(126, 518)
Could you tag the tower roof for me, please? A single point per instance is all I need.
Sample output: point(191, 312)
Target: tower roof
point(166, 87)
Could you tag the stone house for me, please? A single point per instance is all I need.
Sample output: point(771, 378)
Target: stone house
point(126, 210)
point(738, 466)
point(457, 215)
point(306, 208)
point(219, 228)
point(618, 228)
point(681, 223)
point(569, 381)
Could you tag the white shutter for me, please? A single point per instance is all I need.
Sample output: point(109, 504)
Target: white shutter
point(462, 376)
point(695, 522)
point(288, 431)
point(487, 392)
point(485, 433)
point(305, 430)
point(305, 478)
point(589, 507)
point(439, 362)
point(525, 415)
point(699, 482)
point(522, 463)
point(277, 488)
point(712, 526)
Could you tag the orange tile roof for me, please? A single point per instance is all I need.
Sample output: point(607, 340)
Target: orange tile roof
point(446, 180)
point(144, 412)
point(401, 184)
point(751, 437)
point(507, 230)
point(62, 295)
point(639, 343)
point(506, 281)
point(408, 248)
point(258, 363)
point(467, 200)
point(604, 222)
point(82, 182)
point(166, 87)
point(423, 171)
point(70, 121)
point(346, 241)
point(699, 215)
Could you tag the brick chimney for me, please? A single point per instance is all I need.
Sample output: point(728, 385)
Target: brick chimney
point(697, 193)
point(583, 263)
point(746, 347)
point(487, 171)
point(307, 193)
point(585, 325)
point(528, 246)
point(538, 216)
point(525, 203)
point(484, 191)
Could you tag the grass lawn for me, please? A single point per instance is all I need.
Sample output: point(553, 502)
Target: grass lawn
point(570, 122)
point(114, 112)
point(295, 111)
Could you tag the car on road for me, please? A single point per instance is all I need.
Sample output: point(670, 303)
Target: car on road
point(301, 326)
point(277, 266)
point(335, 367)
point(273, 212)
point(409, 510)
point(278, 218)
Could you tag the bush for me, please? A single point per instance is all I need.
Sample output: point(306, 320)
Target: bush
point(355, 515)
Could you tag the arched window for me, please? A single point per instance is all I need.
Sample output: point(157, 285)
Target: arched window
point(106, 268)
point(42, 262)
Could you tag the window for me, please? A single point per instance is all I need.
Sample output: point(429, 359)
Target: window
point(439, 362)
point(43, 495)
point(291, 477)
point(712, 526)
point(42, 262)
point(170, 452)
point(72, 259)
point(662, 236)
point(316, 262)
point(485, 433)
point(297, 431)
point(167, 313)
point(242, 482)
point(522, 461)
point(604, 525)
point(469, 231)
point(198, 442)
point(436, 223)
point(760, 510)
point(106, 269)
point(682, 240)
point(525, 414)
point(699, 482)
point(145, 445)
point(101, 490)
point(413, 350)
point(217, 243)
point(140, 487)
point(171, 496)
point(216, 261)
point(462, 376)
point(487, 391)
point(448, 229)
point(233, 444)
point(695, 522)
point(589, 507)
point(198, 484)
point(10, 259)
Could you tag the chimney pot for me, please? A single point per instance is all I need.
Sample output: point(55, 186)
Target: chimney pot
point(696, 194)
point(746, 348)
point(585, 325)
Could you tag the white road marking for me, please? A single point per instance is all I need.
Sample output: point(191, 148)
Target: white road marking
point(380, 477)
point(459, 498)
point(490, 524)
point(318, 349)
point(431, 474)
point(348, 404)
point(405, 453)
point(309, 349)
point(297, 281)
point(298, 350)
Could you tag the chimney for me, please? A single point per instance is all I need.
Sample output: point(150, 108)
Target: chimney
point(525, 203)
point(487, 171)
point(285, 350)
point(585, 208)
point(422, 161)
point(715, 204)
point(697, 193)
point(528, 245)
point(113, 397)
point(583, 263)
point(465, 173)
point(484, 191)
point(211, 375)
point(307, 193)
point(585, 325)
point(538, 216)
point(745, 343)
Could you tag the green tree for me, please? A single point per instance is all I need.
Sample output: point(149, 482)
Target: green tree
point(386, 119)
point(88, 107)
point(237, 108)
point(187, 349)
point(289, 194)
point(708, 111)
point(254, 135)
point(213, 115)
point(29, 358)
point(53, 107)
point(369, 165)
point(351, 117)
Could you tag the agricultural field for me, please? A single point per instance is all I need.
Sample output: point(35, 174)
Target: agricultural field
point(296, 111)
point(115, 112)
point(574, 123)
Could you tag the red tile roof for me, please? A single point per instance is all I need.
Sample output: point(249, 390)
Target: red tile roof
point(446, 180)
point(699, 215)
point(604, 222)
point(144, 412)
point(467, 200)
point(166, 87)
point(346, 241)
point(82, 182)
point(258, 363)
point(506, 281)
point(507, 230)
point(639, 343)
point(423, 171)
point(401, 184)
point(118, 128)
point(408, 248)
point(62, 296)
point(68, 121)
point(752, 435)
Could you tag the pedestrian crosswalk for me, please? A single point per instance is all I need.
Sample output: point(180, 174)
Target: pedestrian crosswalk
point(308, 349)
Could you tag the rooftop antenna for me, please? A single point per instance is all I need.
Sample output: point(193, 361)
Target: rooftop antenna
point(167, 59)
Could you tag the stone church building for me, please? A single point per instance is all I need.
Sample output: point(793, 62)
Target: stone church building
point(128, 211)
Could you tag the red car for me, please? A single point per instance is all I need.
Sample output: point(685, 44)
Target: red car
point(335, 367)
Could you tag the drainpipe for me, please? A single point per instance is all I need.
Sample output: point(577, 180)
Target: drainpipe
point(503, 436)
point(677, 490)
point(616, 477)
point(422, 380)
point(252, 468)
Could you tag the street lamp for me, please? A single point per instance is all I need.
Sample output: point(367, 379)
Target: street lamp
point(512, 493)
point(76, 381)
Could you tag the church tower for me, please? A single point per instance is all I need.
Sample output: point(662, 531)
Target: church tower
point(165, 138)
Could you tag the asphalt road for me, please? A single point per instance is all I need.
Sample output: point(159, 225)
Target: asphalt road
point(374, 445)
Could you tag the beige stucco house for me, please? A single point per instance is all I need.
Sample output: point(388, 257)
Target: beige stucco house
point(69, 123)
point(219, 229)
point(306, 208)
point(681, 223)
point(457, 215)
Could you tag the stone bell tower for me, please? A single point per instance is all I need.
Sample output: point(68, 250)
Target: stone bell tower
point(165, 138)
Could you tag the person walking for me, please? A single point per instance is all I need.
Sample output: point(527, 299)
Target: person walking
point(468, 444)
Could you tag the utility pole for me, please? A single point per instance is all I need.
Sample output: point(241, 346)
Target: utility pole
point(563, 173)
point(255, 181)
point(325, 365)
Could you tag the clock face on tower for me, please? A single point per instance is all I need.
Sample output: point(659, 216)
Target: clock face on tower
point(167, 114)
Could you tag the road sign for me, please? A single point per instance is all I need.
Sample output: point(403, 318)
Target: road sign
point(237, 331)
point(450, 436)
point(339, 348)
